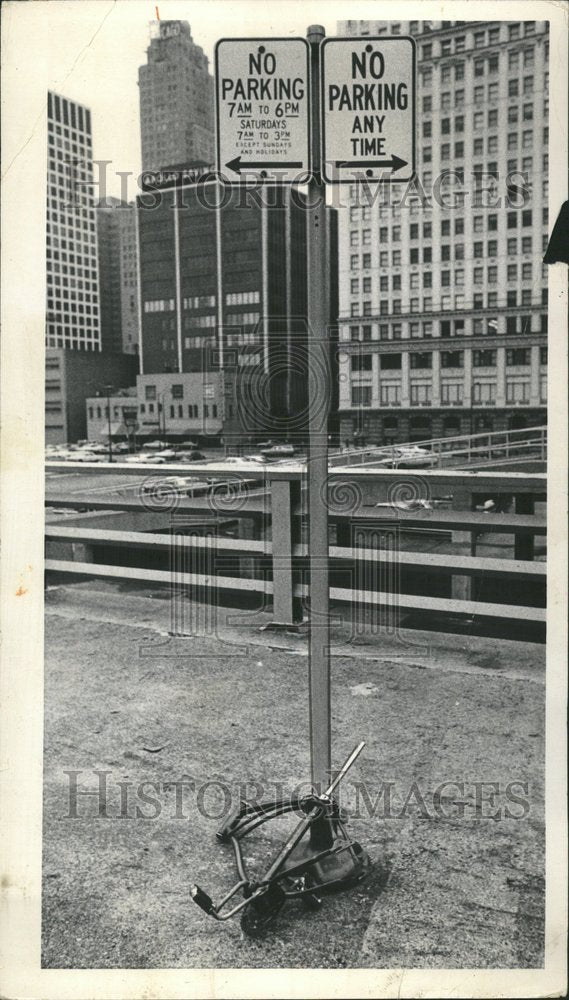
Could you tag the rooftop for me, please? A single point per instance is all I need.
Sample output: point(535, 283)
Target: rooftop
point(461, 864)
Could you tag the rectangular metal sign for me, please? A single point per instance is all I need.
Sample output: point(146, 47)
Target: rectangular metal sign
point(263, 109)
point(368, 109)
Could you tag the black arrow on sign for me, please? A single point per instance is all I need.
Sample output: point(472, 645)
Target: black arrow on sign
point(237, 166)
point(395, 163)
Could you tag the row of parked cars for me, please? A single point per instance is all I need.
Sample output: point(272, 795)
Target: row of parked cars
point(152, 454)
point(156, 453)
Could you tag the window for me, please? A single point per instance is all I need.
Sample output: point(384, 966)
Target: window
point(512, 299)
point(517, 356)
point(543, 355)
point(517, 392)
point(361, 395)
point(361, 363)
point(150, 392)
point(484, 392)
point(451, 392)
point(177, 391)
point(390, 362)
point(390, 395)
point(451, 359)
point(420, 394)
point(420, 359)
point(484, 359)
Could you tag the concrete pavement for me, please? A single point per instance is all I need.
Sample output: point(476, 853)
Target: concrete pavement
point(447, 796)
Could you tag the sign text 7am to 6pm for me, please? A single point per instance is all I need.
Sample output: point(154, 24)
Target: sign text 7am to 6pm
point(368, 109)
point(263, 109)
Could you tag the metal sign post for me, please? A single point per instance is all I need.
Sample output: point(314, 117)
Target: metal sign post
point(319, 394)
point(362, 93)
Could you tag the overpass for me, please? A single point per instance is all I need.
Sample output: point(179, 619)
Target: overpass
point(408, 549)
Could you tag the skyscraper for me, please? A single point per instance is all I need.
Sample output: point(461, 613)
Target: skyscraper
point(176, 99)
point(72, 314)
point(129, 278)
point(108, 240)
point(226, 290)
point(443, 295)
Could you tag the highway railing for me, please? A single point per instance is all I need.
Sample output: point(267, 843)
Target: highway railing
point(486, 566)
point(466, 449)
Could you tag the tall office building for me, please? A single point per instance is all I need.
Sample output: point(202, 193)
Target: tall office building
point(72, 314)
point(108, 241)
point(443, 295)
point(176, 99)
point(128, 248)
point(226, 290)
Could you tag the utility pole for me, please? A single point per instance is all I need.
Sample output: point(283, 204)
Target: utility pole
point(317, 463)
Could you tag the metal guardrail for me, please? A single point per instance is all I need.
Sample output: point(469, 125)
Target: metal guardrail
point(367, 545)
point(528, 442)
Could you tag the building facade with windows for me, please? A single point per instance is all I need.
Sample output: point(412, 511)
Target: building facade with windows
point(225, 289)
point(72, 306)
point(109, 255)
point(129, 289)
point(176, 99)
point(70, 377)
point(443, 294)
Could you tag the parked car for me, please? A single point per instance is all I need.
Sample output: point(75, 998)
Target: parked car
point(180, 483)
point(88, 456)
point(144, 458)
point(278, 451)
point(407, 457)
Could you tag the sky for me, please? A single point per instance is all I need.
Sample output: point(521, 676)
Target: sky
point(93, 49)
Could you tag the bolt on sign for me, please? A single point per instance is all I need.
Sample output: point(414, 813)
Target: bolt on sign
point(263, 109)
point(368, 109)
